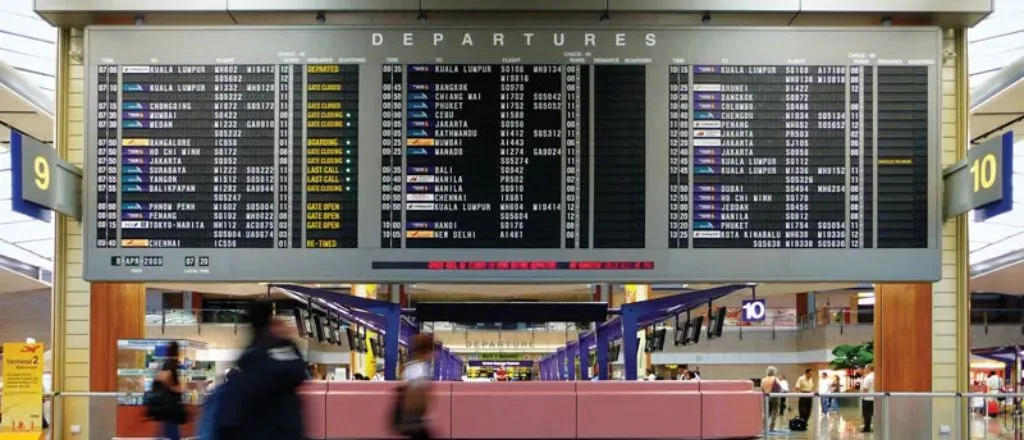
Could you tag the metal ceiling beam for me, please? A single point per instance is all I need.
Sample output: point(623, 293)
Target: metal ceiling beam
point(79, 13)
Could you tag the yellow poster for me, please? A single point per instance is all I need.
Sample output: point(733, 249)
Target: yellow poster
point(370, 359)
point(21, 401)
point(637, 292)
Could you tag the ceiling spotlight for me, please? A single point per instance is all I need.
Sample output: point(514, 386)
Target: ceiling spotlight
point(706, 18)
point(605, 17)
point(422, 18)
point(321, 18)
point(886, 21)
point(140, 20)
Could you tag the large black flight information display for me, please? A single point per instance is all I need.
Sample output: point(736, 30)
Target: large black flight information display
point(390, 155)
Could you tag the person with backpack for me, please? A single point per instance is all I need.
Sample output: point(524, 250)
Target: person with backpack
point(262, 401)
point(770, 385)
point(208, 429)
point(163, 402)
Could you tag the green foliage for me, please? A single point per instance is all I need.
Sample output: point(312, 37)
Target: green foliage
point(849, 356)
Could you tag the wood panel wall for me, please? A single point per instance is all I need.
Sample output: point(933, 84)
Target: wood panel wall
point(117, 311)
point(903, 337)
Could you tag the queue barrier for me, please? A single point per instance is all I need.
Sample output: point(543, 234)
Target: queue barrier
point(543, 410)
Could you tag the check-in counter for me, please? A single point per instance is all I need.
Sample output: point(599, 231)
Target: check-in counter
point(730, 409)
point(514, 410)
point(543, 410)
point(647, 410)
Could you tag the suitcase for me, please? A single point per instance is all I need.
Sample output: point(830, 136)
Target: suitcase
point(993, 408)
point(797, 424)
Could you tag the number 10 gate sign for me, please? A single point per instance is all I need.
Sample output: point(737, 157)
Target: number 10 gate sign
point(754, 310)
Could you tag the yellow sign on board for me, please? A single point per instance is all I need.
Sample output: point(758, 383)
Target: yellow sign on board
point(21, 402)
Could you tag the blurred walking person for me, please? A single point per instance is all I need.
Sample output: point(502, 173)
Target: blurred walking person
point(163, 402)
point(412, 401)
point(262, 402)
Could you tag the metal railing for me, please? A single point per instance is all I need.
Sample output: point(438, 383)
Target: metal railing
point(893, 412)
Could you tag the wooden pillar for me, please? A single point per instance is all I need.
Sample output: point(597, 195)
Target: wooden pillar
point(903, 357)
point(117, 311)
point(903, 337)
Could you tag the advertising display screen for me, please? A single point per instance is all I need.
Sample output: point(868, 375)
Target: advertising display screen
point(573, 155)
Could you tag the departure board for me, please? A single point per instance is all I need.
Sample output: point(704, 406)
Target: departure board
point(392, 155)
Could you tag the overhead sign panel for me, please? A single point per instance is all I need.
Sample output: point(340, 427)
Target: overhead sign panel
point(983, 181)
point(561, 155)
point(42, 181)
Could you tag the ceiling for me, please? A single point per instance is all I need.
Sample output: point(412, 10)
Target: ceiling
point(997, 84)
point(14, 282)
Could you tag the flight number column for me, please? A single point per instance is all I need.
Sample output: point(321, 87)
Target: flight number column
point(816, 175)
point(391, 128)
point(244, 152)
point(530, 213)
point(284, 182)
point(679, 157)
point(106, 156)
point(331, 167)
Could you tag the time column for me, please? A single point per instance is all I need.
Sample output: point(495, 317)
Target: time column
point(106, 156)
point(679, 157)
point(391, 130)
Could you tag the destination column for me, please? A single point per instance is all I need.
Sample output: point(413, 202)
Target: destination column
point(451, 157)
point(739, 149)
point(198, 156)
point(332, 106)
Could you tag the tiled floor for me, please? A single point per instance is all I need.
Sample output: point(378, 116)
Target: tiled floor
point(846, 425)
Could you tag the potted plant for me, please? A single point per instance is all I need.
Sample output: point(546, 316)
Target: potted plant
point(851, 357)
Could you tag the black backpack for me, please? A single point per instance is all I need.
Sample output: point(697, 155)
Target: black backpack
point(164, 405)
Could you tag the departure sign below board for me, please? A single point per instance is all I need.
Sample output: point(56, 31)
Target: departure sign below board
point(387, 155)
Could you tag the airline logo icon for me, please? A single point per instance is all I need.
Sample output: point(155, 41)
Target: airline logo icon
point(707, 87)
point(707, 133)
point(419, 197)
point(707, 124)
